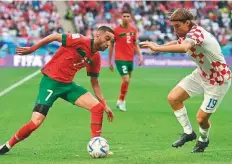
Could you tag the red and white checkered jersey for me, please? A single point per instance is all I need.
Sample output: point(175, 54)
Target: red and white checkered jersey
point(208, 56)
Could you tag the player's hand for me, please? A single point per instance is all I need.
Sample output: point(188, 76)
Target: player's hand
point(110, 114)
point(111, 66)
point(23, 50)
point(140, 60)
point(147, 44)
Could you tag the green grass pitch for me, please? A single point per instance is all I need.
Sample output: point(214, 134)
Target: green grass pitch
point(143, 135)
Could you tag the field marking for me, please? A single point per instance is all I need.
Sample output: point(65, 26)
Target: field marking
point(8, 89)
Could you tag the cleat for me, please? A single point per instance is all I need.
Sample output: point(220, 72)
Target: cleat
point(200, 147)
point(118, 103)
point(121, 105)
point(184, 138)
point(4, 149)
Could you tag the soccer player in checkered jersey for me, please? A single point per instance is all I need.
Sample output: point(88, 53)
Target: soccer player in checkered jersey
point(124, 49)
point(211, 77)
point(75, 53)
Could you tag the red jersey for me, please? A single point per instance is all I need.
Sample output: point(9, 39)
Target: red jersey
point(74, 54)
point(125, 40)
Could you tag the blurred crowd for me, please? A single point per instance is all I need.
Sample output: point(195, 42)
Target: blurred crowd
point(28, 18)
point(34, 19)
point(151, 18)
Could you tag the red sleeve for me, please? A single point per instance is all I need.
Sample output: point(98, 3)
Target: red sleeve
point(71, 40)
point(94, 68)
point(115, 34)
point(196, 35)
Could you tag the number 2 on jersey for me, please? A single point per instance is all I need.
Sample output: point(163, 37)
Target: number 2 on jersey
point(49, 95)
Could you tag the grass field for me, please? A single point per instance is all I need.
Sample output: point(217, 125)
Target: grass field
point(143, 135)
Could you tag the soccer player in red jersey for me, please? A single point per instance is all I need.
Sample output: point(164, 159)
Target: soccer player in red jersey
point(124, 49)
point(75, 53)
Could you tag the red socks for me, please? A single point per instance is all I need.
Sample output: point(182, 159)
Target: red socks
point(96, 126)
point(96, 119)
point(123, 91)
point(22, 133)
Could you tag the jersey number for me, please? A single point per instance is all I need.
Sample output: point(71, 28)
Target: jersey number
point(124, 69)
point(49, 95)
point(128, 39)
point(212, 103)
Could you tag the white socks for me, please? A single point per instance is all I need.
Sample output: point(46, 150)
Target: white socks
point(204, 134)
point(183, 119)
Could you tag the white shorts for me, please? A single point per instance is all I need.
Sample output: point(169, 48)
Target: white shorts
point(194, 85)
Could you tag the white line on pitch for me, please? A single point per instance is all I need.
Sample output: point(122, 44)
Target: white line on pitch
point(5, 91)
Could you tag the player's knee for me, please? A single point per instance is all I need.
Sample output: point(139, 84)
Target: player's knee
point(126, 81)
point(39, 113)
point(37, 121)
point(172, 99)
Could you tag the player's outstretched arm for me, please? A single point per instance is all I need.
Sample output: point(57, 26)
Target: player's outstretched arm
point(97, 91)
point(171, 43)
point(111, 47)
point(181, 48)
point(42, 42)
point(137, 51)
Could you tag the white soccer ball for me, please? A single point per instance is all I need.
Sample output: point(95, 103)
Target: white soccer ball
point(98, 147)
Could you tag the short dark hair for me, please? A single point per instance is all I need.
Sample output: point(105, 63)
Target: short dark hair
point(126, 9)
point(105, 28)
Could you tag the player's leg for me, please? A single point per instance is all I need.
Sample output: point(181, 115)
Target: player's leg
point(124, 87)
point(88, 101)
point(121, 103)
point(82, 98)
point(38, 116)
point(25, 131)
point(79, 96)
point(188, 87)
point(125, 69)
point(204, 128)
point(44, 100)
point(212, 98)
point(176, 98)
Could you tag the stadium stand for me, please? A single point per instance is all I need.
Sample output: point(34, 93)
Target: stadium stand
point(151, 18)
point(23, 20)
point(29, 18)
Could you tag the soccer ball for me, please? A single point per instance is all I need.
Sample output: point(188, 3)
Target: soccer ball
point(98, 147)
